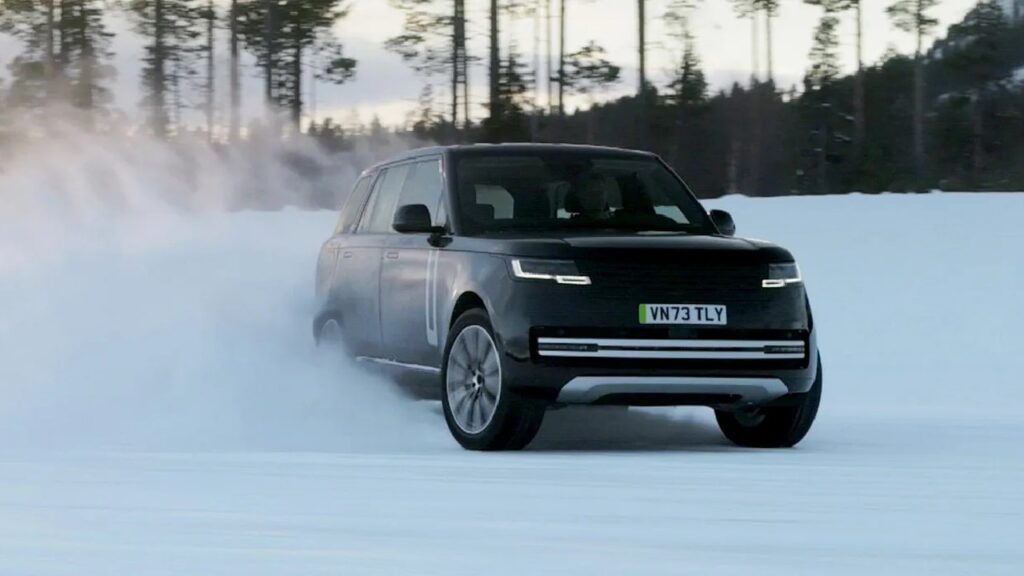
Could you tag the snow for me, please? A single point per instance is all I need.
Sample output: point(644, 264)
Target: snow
point(164, 412)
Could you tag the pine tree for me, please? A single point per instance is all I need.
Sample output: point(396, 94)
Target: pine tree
point(283, 34)
point(752, 9)
point(824, 54)
point(66, 48)
point(835, 7)
point(587, 73)
point(507, 121)
point(978, 60)
point(912, 16)
point(34, 70)
point(749, 9)
point(688, 85)
point(434, 43)
point(170, 56)
point(686, 96)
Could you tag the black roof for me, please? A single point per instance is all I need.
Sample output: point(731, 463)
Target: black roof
point(513, 148)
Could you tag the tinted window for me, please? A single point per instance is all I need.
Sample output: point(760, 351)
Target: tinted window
point(385, 199)
point(353, 206)
point(425, 186)
point(573, 190)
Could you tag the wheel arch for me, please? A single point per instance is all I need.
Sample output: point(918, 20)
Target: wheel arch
point(321, 318)
point(466, 301)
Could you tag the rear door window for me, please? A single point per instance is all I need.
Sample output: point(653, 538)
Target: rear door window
point(425, 185)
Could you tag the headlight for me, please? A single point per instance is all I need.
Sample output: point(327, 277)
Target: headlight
point(782, 275)
point(561, 271)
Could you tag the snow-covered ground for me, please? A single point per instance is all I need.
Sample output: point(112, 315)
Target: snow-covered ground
point(163, 412)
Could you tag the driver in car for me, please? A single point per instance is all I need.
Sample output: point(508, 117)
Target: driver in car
point(592, 197)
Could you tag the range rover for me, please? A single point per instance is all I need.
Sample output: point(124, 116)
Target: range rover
point(512, 279)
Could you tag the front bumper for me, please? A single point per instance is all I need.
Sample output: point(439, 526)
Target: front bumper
point(589, 349)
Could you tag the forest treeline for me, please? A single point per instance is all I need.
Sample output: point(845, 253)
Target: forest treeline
point(949, 115)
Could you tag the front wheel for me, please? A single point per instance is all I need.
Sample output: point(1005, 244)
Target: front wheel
point(773, 427)
point(481, 412)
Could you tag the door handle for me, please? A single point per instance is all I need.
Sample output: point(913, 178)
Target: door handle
point(347, 255)
point(392, 255)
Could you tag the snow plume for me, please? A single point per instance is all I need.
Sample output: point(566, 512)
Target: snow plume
point(144, 306)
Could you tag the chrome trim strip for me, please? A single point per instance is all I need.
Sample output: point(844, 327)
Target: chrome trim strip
point(589, 389)
point(641, 343)
point(671, 355)
point(671, 349)
point(397, 364)
point(430, 304)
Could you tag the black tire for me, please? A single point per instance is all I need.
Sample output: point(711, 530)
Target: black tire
point(514, 421)
point(775, 427)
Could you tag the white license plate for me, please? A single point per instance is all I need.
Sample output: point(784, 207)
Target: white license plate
point(693, 314)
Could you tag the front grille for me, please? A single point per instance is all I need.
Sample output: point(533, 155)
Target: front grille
point(697, 281)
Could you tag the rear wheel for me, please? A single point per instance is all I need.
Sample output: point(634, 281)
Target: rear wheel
point(774, 427)
point(481, 412)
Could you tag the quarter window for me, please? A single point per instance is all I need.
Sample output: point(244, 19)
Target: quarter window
point(353, 206)
point(381, 212)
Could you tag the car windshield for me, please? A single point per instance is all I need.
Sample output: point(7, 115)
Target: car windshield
point(573, 191)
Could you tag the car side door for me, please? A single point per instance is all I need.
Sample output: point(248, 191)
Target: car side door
point(409, 299)
point(331, 253)
point(363, 331)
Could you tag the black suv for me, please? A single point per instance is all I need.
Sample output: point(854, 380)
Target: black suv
point(509, 279)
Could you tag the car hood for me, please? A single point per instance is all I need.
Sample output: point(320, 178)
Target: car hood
point(645, 247)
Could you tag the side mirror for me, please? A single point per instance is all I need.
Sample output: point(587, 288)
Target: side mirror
point(723, 221)
point(413, 219)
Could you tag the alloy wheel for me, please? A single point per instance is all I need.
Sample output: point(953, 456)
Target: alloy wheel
point(473, 380)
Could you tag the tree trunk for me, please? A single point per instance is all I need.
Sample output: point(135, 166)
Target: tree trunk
point(296, 100)
point(755, 40)
point(63, 36)
point(768, 16)
point(51, 55)
point(455, 66)
point(494, 62)
point(465, 89)
point(642, 17)
point(860, 124)
point(159, 117)
point(978, 129)
point(919, 151)
point(591, 124)
point(457, 6)
point(561, 58)
point(87, 80)
point(549, 48)
point(269, 47)
point(210, 14)
point(236, 76)
point(535, 114)
point(823, 141)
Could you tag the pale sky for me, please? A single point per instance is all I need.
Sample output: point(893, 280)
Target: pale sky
point(385, 86)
